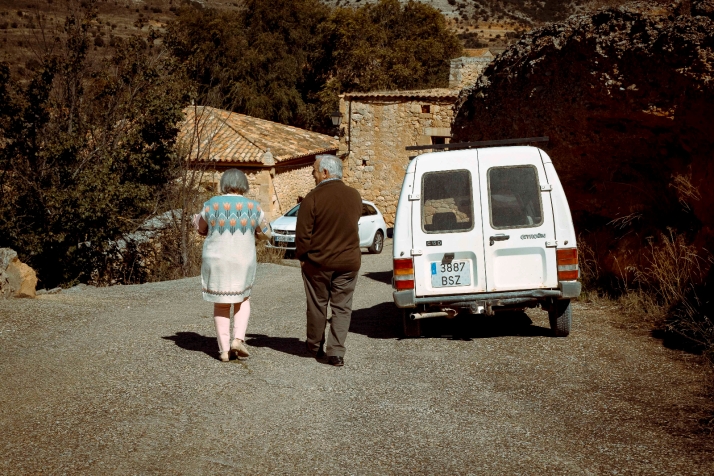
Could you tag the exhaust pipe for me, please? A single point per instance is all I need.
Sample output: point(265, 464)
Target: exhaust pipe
point(425, 315)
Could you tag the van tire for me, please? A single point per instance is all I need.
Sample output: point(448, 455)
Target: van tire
point(412, 328)
point(560, 315)
point(377, 243)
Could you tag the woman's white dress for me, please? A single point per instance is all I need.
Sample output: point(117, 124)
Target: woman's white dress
point(229, 257)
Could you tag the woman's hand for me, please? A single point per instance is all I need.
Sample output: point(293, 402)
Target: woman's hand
point(264, 232)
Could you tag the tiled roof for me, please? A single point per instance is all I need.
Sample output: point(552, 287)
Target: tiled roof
point(437, 93)
point(477, 52)
point(229, 137)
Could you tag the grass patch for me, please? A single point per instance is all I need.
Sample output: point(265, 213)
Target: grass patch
point(670, 291)
point(269, 255)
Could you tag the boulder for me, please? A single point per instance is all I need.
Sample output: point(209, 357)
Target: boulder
point(626, 96)
point(16, 278)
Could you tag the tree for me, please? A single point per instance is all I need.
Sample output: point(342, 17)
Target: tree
point(388, 46)
point(288, 60)
point(87, 150)
point(257, 61)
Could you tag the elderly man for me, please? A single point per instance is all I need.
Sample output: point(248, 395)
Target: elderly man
point(327, 245)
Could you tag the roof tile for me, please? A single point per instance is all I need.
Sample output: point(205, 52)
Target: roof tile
point(223, 136)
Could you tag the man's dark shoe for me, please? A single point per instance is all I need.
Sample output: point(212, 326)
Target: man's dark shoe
point(336, 360)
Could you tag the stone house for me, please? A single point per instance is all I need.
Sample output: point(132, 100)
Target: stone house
point(276, 158)
point(378, 125)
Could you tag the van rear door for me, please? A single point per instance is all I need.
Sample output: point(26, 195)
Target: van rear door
point(518, 230)
point(446, 225)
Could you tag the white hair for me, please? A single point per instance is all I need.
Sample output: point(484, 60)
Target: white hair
point(331, 163)
point(234, 181)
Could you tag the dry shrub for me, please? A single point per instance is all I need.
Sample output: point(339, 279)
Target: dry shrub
point(643, 305)
point(174, 260)
point(268, 255)
point(590, 272)
point(668, 290)
point(673, 266)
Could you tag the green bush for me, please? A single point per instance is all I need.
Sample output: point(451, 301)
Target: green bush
point(87, 151)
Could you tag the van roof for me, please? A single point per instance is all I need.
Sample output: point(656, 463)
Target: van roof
point(525, 150)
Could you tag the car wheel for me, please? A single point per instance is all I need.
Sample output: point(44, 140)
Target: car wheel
point(412, 328)
point(377, 243)
point(560, 315)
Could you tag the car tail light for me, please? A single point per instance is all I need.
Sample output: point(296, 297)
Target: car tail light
point(403, 274)
point(567, 264)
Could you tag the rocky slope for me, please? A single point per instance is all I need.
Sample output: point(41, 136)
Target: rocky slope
point(626, 96)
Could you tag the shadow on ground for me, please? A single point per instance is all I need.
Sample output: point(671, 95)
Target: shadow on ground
point(198, 343)
point(195, 342)
point(288, 345)
point(381, 276)
point(384, 321)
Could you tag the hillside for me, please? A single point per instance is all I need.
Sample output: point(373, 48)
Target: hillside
point(24, 23)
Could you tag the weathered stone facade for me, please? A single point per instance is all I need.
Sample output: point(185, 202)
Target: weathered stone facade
point(380, 127)
point(465, 71)
point(290, 185)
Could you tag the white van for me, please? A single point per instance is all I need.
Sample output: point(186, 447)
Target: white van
point(481, 231)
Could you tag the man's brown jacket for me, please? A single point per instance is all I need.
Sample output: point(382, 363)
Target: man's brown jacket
point(327, 231)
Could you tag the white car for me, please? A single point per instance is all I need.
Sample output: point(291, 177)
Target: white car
point(372, 229)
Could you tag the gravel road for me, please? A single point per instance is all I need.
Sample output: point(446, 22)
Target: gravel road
point(125, 380)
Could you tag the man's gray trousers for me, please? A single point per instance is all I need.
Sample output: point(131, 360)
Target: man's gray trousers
point(322, 288)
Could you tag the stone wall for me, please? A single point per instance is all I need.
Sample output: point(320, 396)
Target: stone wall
point(373, 142)
point(291, 184)
point(465, 71)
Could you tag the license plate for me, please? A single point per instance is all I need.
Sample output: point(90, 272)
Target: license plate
point(456, 273)
point(289, 238)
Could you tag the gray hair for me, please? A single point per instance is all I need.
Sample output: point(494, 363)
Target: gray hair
point(331, 163)
point(234, 181)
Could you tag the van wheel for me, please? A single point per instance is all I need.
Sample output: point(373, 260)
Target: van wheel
point(560, 315)
point(377, 243)
point(412, 328)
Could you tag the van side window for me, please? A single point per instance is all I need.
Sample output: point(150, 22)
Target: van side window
point(514, 197)
point(447, 202)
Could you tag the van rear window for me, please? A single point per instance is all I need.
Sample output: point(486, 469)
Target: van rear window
point(447, 203)
point(514, 197)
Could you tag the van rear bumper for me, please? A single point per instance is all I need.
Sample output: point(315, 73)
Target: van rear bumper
point(566, 290)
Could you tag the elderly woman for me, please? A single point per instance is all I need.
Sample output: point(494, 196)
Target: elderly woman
point(230, 223)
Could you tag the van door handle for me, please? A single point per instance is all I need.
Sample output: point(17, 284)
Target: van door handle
point(499, 237)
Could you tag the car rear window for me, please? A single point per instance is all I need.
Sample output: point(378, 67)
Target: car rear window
point(447, 202)
point(514, 197)
point(368, 210)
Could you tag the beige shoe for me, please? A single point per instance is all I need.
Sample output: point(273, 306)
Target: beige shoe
point(239, 348)
point(225, 356)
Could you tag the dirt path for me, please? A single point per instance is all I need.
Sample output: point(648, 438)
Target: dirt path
point(124, 380)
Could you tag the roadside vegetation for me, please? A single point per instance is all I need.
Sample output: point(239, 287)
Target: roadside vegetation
point(91, 168)
point(669, 288)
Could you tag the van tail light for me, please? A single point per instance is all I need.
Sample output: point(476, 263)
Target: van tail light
point(567, 264)
point(403, 274)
